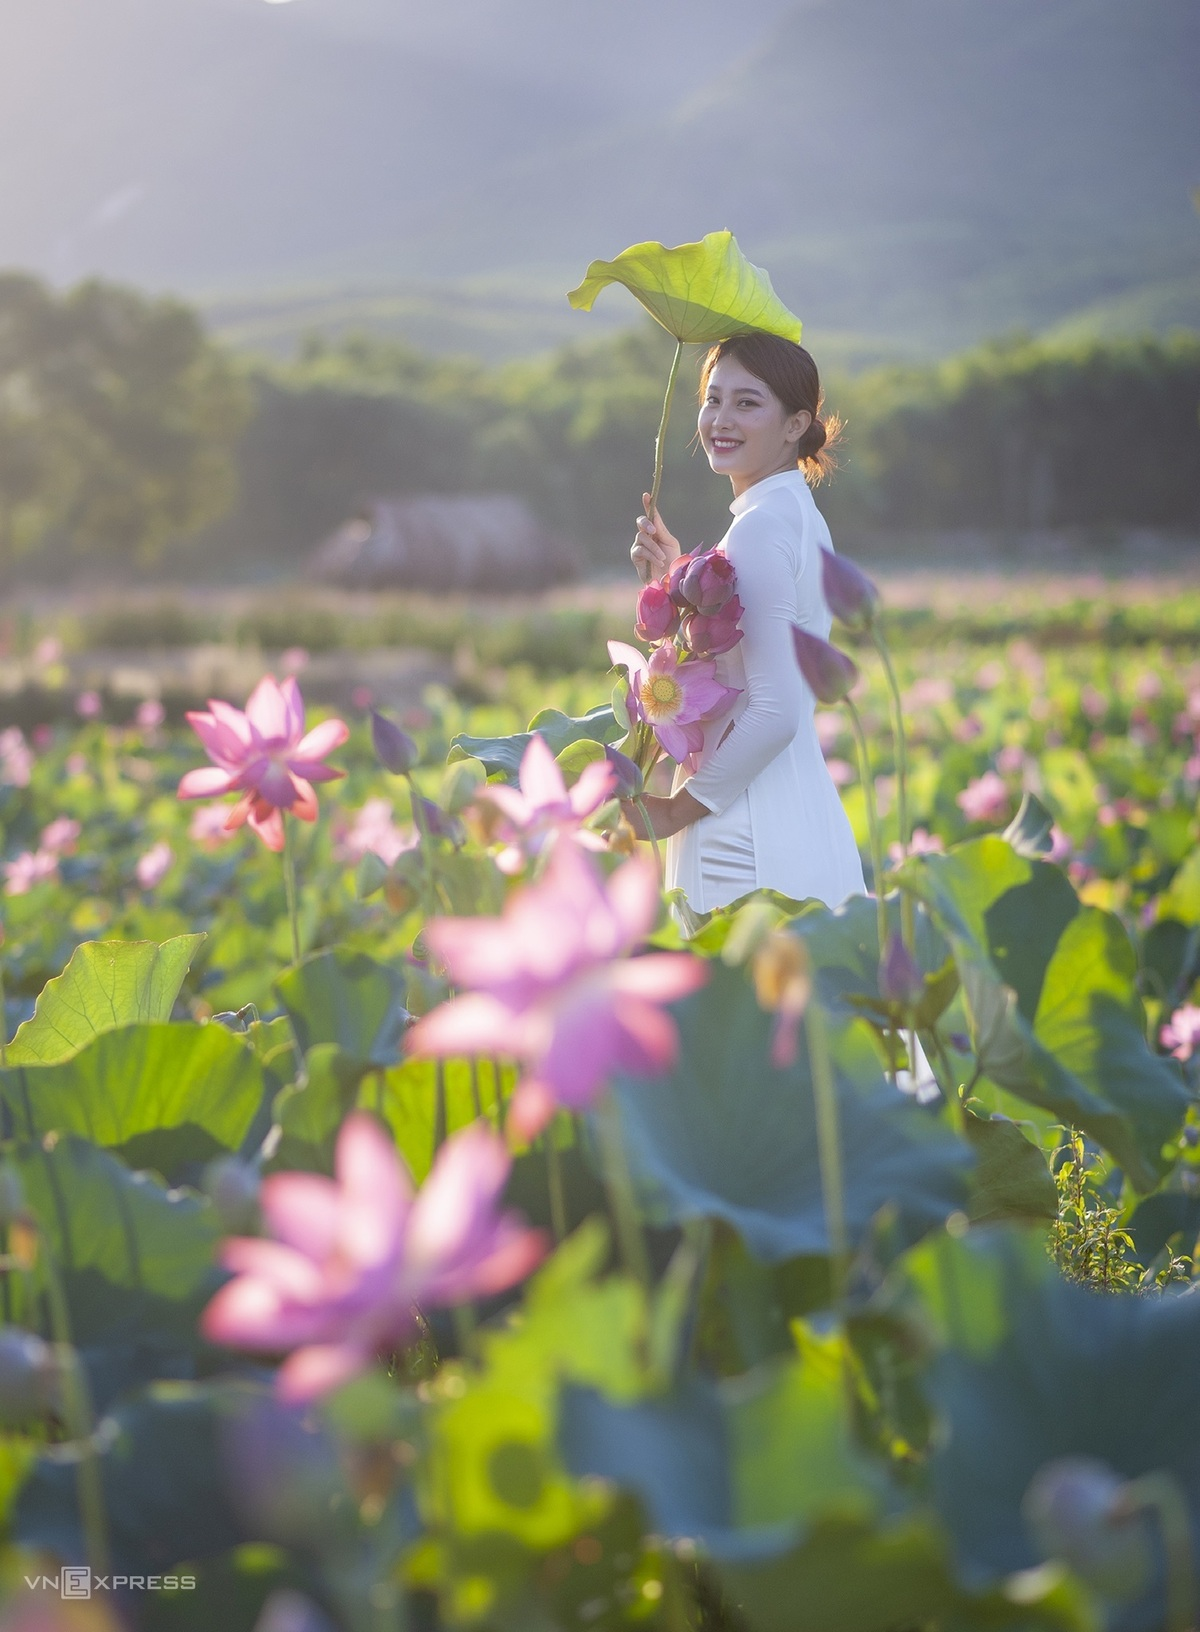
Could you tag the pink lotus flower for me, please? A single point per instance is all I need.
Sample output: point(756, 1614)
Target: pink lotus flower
point(265, 755)
point(708, 583)
point(657, 615)
point(16, 761)
point(830, 674)
point(349, 1259)
point(154, 864)
point(373, 831)
point(89, 705)
point(1181, 1034)
point(150, 714)
point(985, 799)
point(672, 697)
point(542, 807)
point(710, 636)
point(551, 982)
point(674, 581)
point(208, 828)
point(30, 867)
point(922, 843)
point(61, 836)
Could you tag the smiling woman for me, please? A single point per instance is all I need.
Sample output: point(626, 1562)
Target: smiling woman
point(760, 810)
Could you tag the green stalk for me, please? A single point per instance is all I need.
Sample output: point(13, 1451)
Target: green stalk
point(619, 1185)
point(3, 1022)
point(418, 816)
point(80, 1420)
point(829, 1149)
point(640, 802)
point(907, 921)
point(1159, 1493)
point(554, 1179)
point(957, 1112)
point(289, 884)
point(868, 785)
point(660, 441)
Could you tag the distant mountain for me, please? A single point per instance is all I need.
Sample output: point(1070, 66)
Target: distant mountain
point(915, 173)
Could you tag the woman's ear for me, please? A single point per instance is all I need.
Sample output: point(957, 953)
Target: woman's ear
point(797, 426)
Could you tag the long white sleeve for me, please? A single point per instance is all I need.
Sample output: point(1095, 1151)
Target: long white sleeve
point(770, 562)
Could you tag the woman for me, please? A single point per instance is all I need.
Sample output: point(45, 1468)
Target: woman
point(761, 809)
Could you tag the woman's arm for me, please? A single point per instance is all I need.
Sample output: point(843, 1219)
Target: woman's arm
point(764, 557)
point(668, 813)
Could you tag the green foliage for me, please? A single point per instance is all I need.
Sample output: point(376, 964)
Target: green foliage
point(117, 420)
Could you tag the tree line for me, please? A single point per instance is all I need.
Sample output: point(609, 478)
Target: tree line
point(124, 428)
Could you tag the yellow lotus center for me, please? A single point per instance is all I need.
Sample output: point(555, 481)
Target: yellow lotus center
point(661, 695)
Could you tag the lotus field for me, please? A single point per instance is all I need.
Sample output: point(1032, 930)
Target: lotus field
point(413, 1220)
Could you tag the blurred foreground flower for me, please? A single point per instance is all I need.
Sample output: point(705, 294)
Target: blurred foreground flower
point(671, 697)
point(61, 836)
point(542, 807)
point(154, 864)
point(265, 755)
point(89, 705)
point(551, 982)
point(29, 868)
point(372, 830)
point(349, 1259)
point(16, 760)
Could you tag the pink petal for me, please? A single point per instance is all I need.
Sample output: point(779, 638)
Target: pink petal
point(205, 782)
point(305, 806)
point(594, 786)
point(530, 1108)
point(269, 1263)
point(220, 743)
point(472, 1024)
point(634, 894)
point(322, 740)
point(513, 1252)
point(540, 777)
point(458, 1198)
point(628, 658)
point(275, 786)
point(659, 977)
point(514, 804)
point(315, 1370)
point(665, 660)
point(313, 770)
point(267, 711)
point(232, 720)
point(301, 1210)
point(672, 738)
point(269, 827)
point(376, 1191)
point(293, 703)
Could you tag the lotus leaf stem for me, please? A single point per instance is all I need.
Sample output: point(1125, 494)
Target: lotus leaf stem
point(829, 1148)
point(554, 1180)
point(619, 1185)
point(289, 884)
point(660, 441)
point(80, 1418)
point(1159, 1493)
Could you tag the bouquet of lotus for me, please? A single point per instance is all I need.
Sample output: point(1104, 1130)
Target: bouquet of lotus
point(689, 618)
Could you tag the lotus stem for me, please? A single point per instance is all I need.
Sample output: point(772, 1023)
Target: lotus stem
point(868, 785)
point(80, 1421)
point(554, 1180)
point(619, 1185)
point(3, 1022)
point(418, 816)
point(660, 441)
point(640, 802)
point(950, 1091)
point(289, 884)
point(907, 919)
point(1159, 1493)
point(829, 1149)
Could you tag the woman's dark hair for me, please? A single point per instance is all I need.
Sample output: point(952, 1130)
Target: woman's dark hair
point(789, 371)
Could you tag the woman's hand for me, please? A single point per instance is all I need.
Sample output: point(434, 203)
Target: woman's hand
point(654, 548)
point(668, 814)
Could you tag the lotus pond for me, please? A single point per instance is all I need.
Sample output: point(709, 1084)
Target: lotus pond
point(782, 1326)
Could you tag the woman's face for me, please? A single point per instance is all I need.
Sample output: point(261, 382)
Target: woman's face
point(744, 428)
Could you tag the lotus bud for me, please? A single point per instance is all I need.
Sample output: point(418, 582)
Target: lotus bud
point(394, 749)
point(849, 593)
point(1075, 1511)
point(674, 581)
point(233, 1186)
point(710, 636)
point(900, 979)
point(657, 615)
point(628, 779)
point(438, 823)
point(708, 583)
point(29, 1377)
point(830, 674)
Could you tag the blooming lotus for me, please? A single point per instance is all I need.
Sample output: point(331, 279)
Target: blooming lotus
point(709, 636)
point(657, 616)
point(154, 864)
point(541, 806)
point(830, 674)
point(708, 582)
point(550, 981)
point(265, 755)
point(29, 868)
point(1181, 1034)
point(672, 697)
point(347, 1260)
point(373, 830)
point(984, 799)
point(61, 836)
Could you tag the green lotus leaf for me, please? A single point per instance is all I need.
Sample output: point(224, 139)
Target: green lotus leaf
point(106, 984)
point(161, 1096)
point(349, 999)
point(1050, 992)
point(700, 293)
point(504, 754)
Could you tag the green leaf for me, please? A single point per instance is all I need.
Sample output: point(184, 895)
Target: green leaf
point(1012, 1178)
point(136, 1260)
point(1035, 1368)
point(699, 292)
point(160, 1096)
point(106, 984)
point(575, 759)
point(347, 998)
point(728, 1135)
point(1050, 992)
point(844, 946)
point(503, 755)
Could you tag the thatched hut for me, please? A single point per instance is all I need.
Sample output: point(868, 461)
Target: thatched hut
point(484, 541)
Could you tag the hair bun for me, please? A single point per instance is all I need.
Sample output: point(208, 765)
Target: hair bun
point(812, 441)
